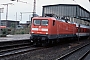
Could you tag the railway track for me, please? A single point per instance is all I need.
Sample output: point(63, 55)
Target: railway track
point(14, 49)
point(9, 50)
point(84, 55)
point(76, 54)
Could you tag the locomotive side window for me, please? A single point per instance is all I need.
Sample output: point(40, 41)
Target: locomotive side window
point(37, 22)
point(44, 22)
point(53, 22)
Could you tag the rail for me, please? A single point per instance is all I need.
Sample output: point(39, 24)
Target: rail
point(73, 51)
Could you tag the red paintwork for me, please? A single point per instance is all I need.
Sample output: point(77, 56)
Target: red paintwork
point(2, 27)
point(59, 27)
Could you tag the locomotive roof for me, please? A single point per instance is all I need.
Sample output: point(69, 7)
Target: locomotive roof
point(44, 18)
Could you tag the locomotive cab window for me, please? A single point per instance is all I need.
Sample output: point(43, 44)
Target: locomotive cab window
point(44, 22)
point(40, 22)
point(37, 22)
point(53, 22)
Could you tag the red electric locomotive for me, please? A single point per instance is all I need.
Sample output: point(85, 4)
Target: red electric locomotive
point(46, 30)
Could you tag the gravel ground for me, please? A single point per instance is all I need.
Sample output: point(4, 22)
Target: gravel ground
point(79, 53)
point(50, 53)
point(87, 57)
point(15, 37)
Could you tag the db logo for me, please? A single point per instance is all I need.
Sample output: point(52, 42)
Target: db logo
point(39, 26)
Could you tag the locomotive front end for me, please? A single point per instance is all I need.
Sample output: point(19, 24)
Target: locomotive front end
point(39, 29)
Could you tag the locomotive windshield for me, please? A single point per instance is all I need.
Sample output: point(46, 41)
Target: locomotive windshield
point(37, 22)
point(44, 22)
point(40, 22)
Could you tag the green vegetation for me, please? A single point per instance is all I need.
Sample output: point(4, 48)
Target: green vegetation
point(3, 33)
point(25, 30)
point(22, 31)
point(12, 30)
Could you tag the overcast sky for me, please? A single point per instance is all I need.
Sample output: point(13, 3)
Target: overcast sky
point(23, 7)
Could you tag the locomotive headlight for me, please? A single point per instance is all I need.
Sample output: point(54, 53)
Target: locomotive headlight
point(46, 33)
point(32, 32)
point(44, 29)
point(35, 29)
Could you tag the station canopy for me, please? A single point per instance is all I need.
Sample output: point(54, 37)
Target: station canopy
point(66, 10)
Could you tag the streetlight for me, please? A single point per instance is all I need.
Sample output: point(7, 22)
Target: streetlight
point(1, 11)
point(7, 10)
point(34, 8)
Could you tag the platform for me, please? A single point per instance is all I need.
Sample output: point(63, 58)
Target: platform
point(15, 37)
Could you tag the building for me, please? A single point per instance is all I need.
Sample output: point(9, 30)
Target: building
point(9, 23)
point(25, 25)
point(66, 10)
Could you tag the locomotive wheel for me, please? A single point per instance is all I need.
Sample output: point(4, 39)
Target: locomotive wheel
point(57, 40)
point(44, 44)
point(52, 42)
